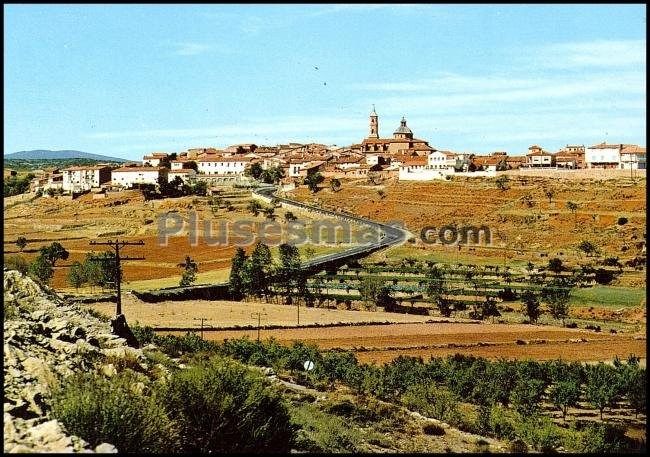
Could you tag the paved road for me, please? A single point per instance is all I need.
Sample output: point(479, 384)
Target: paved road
point(389, 235)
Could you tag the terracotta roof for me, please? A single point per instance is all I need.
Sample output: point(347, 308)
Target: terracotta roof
point(633, 149)
point(604, 145)
point(86, 167)
point(414, 161)
point(539, 153)
point(133, 169)
point(224, 159)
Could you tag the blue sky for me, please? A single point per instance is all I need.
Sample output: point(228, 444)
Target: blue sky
point(125, 80)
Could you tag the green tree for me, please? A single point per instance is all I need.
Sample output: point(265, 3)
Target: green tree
point(190, 268)
point(289, 216)
point(257, 271)
point(372, 291)
point(100, 269)
point(556, 294)
point(312, 180)
point(288, 273)
point(21, 242)
point(16, 262)
point(588, 247)
point(564, 395)
point(601, 386)
point(635, 388)
point(235, 281)
point(550, 193)
point(436, 290)
point(254, 171)
point(200, 188)
point(54, 252)
point(531, 306)
point(269, 212)
point(527, 396)
point(41, 269)
point(254, 207)
point(573, 207)
point(335, 184)
point(76, 275)
point(555, 265)
point(502, 183)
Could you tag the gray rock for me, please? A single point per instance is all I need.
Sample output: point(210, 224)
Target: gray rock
point(106, 448)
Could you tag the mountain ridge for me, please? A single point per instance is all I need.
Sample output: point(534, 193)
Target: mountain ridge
point(47, 154)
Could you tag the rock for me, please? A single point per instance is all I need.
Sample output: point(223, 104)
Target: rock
point(108, 370)
point(106, 448)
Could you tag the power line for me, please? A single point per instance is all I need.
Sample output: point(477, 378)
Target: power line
point(116, 245)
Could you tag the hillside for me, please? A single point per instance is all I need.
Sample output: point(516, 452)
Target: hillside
point(64, 154)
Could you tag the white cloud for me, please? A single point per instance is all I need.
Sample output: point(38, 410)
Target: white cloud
point(601, 53)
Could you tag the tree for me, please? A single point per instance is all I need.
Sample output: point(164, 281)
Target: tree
point(312, 180)
point(489, 308)
point(100, 269)
point(200, 188)
point(635, 388)
point(335, 184)
point(190, 268)
point(21, 242)
point(289, 216)
point(502, 183)
point(564, 395)
point(235, 282)
point(288, 273)
point(588, 247)
point(573, 207)
point(371, 292)
point(257, 271)
point(269, 212)
point(255, 170)
point(54, 252)
point(556, 295)
point(41, 269)
point(550, 193)
point(435, 289)
point(527, 395)
point(601, 386)
point(76, 275)
point(192, 165)
point(531, 303)
point(555, 265)
point(254, 207)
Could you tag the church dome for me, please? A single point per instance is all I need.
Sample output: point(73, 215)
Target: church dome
point(403, 128)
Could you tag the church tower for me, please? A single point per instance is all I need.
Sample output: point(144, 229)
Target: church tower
point(374, 124)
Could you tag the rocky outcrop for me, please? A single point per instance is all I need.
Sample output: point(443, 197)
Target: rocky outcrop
point(45, 340)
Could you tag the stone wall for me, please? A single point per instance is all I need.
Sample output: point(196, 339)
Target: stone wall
point(45, 340)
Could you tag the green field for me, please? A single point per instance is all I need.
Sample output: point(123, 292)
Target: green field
point(608, 296)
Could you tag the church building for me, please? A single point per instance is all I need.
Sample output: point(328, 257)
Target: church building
point(402, 141)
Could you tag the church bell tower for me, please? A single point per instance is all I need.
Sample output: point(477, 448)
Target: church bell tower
point(374, 124)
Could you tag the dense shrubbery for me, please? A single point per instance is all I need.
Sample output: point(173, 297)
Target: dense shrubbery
point(505, 391)
point(114, 411)
point(221, 406)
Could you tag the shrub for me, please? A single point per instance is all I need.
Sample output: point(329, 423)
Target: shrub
point(540, 432)
point(602, 438)
point(16, 262)
point(621, 220)
point(432, 401)
point(221, 406)
point(517, 446)
point(433, 429)
point(502, 423)
point(111, 410)
point(322, 432)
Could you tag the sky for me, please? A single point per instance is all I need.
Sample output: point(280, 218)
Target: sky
point(126, 80)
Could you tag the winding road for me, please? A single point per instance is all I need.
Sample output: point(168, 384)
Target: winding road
point(389, 235)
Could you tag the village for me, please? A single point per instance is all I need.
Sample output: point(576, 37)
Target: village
point(401, 157)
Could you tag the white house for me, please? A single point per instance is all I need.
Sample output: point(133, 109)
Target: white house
point(418, 169)
point(222, 165)
point(82, 178)
point(301, 167)
point(185, 174)
point(128, 176)
point(441, 160)
point(603, 155)
point(154, 158)
point(537, 157)
point(633, 157)
point(348, 162)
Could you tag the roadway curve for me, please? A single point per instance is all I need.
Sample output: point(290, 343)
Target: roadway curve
point(390, 235)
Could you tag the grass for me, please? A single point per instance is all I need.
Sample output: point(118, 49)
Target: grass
point(608, 296)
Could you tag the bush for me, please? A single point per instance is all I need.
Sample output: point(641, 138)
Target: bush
point(111, 410)
point(600, 438)
point(432, 401)
point(322, 432)
point(433, 429)
point(621, 220)
point(16, 262)
point(540, 432)
point(221, 406)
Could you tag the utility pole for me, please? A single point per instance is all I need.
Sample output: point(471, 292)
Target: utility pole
point(116, 245)
point(202, 319)
point(259, 318)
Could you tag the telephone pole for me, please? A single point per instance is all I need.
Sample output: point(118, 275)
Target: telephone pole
point(259, 318)
point(116, 245)
point(202, 319)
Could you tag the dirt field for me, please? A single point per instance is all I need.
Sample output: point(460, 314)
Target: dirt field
point(385, 342)
point(126, 215)
point(229, 314)
point(545, 227)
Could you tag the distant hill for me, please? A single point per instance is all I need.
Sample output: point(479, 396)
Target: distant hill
point(44, 154)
